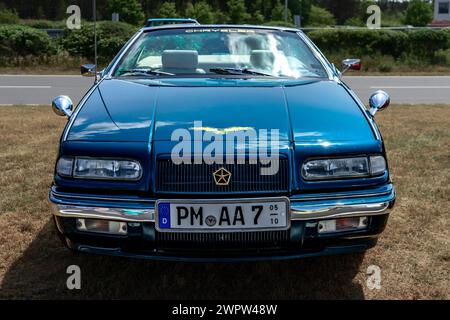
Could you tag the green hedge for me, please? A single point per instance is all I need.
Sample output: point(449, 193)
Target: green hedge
point(280, 24)
point(17, 40)
point(424, 45)
point(111, 36)
point(421, 43)
point(8, 16)
point(44, 24)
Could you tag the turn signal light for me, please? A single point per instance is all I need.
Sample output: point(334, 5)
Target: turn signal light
point(102, 226)
point(342, 224)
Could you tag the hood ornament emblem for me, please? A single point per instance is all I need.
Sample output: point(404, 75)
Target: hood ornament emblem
point(222, 177)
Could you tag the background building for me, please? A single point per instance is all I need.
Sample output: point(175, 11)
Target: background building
point(441, 13)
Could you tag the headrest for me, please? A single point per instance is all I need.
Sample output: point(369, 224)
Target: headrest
point(262, 58)
point(180, 59)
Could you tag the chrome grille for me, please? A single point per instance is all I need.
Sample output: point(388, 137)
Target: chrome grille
point(198, 178)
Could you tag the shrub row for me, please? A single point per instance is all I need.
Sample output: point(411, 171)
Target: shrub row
point(16, 40)
point(423, 43)
point(19, 40)
point(111, 36)
point(44, 24)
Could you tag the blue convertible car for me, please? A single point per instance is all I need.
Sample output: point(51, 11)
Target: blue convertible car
point(221, 143)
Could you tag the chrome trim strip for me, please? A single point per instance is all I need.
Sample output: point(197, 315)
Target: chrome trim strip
point(98, 198)
point(376, 194)
point(343, 196)
point(220, 26)
point(302, 36)
point(296, 197)
point(318, 54)
point(118, 214)
point(78, 108)
point(92, 89)
point(300, 213)
point(363, 109)
point(125, 50)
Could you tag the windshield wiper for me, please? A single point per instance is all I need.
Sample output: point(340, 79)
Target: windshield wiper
point(239, 71)
point(146, 72)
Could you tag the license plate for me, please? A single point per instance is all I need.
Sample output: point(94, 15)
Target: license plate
point(222, 215)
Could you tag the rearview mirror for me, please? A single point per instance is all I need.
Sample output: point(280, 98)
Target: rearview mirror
point(351, 64)
point(378, 101)
point(62, 106)
point(88, 70)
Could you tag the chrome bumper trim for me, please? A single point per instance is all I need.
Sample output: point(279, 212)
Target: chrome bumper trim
point(119, 214)
point(299, 211)
point(338, 211)
point(148, 215)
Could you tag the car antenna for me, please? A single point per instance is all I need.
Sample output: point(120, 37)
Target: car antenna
point(94, 9)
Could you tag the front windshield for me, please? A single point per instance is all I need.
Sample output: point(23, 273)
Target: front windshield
point(208, 51)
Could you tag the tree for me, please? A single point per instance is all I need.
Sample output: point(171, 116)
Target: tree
point(8, 16)
point(278, 12)
point(274, 10)
point(419, 13)
point(305, 10)
point(257, 18)
point(129, 11)
point(342, 9)
point(167, 10)
point(354, 22)
point(262, 6)
point(201, 11)
point(237, 12)
point(321, 17)
point(220, 17)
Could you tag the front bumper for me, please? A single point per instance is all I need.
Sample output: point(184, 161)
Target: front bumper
point(302, 238)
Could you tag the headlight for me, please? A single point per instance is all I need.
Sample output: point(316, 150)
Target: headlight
point(339, 168)
point(91, 168)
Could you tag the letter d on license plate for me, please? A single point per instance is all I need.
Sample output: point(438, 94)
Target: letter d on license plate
point(222, 215)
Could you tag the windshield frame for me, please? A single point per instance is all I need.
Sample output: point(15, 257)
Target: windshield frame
point(302, 37)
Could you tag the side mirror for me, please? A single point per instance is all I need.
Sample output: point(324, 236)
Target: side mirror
point(62, 106)
point(88, 70)
point(351, 64)
point(379, 100)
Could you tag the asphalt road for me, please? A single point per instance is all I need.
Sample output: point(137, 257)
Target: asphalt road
point(40, 89)
point(410, 89)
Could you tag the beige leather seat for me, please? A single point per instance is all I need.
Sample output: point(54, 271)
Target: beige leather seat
point(180, 61)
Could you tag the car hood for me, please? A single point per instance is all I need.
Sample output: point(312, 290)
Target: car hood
point(142, 111)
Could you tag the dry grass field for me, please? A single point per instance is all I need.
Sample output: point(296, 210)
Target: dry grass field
point(413, 252)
